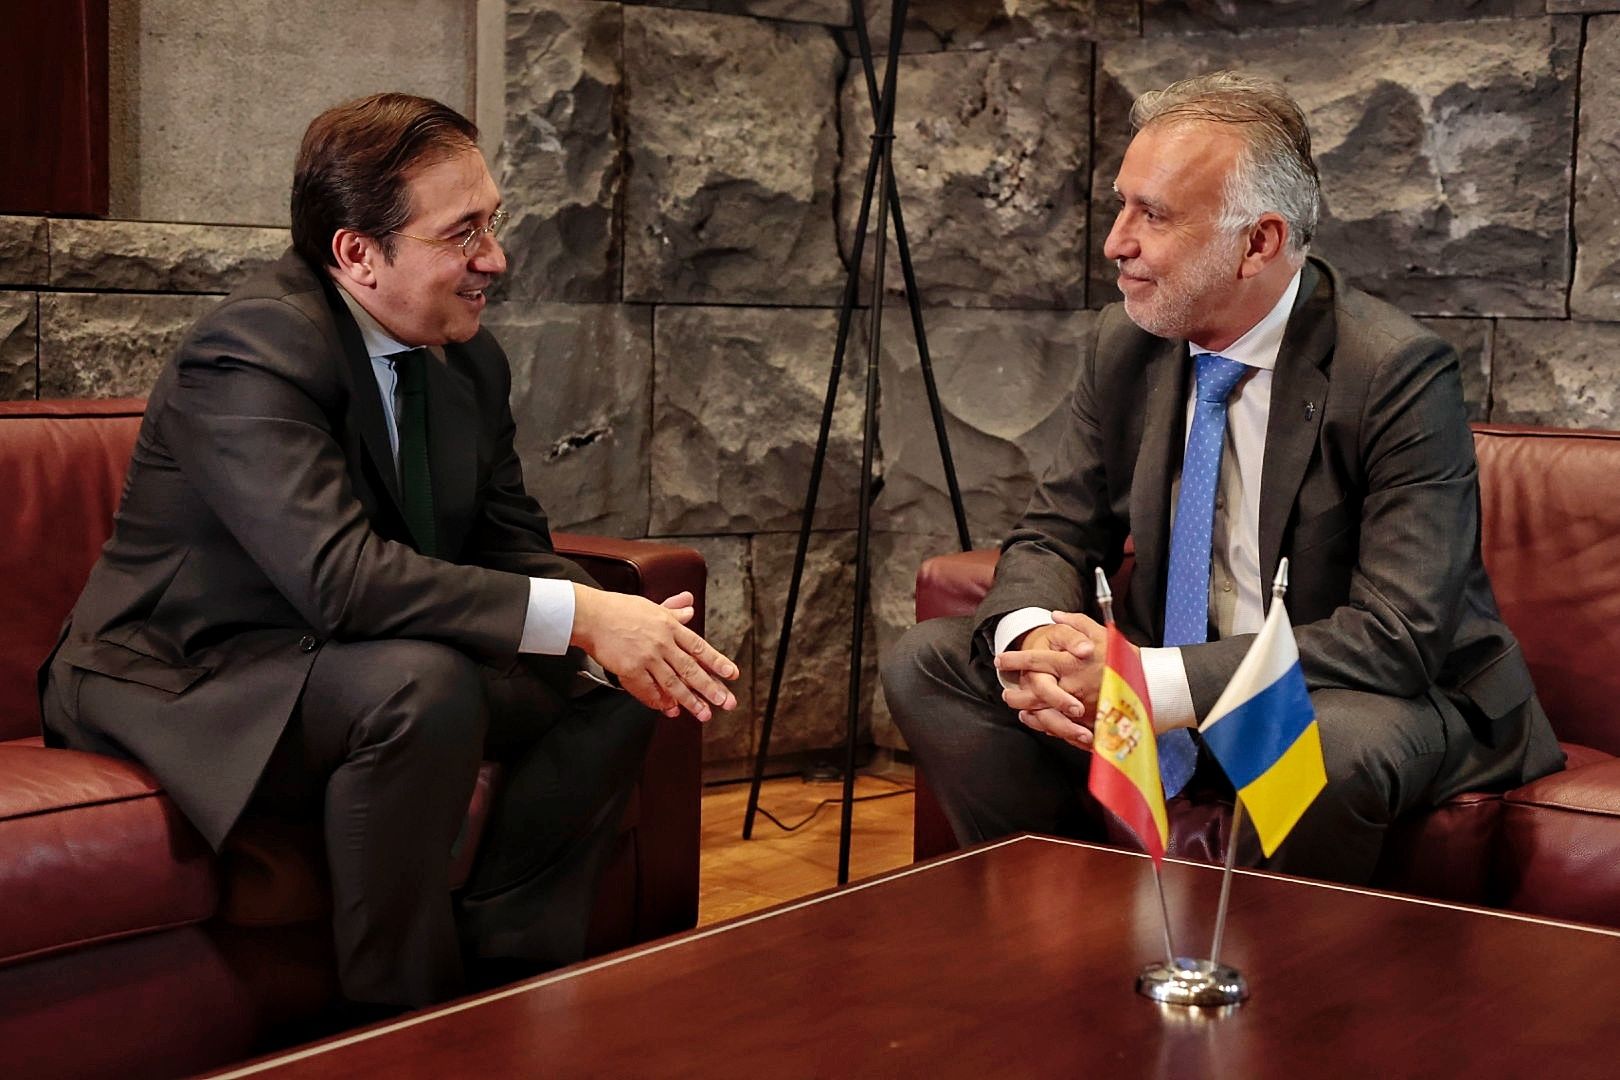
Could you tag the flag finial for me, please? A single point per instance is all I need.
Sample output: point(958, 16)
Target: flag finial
point(1280, 584)
point(1105, 596)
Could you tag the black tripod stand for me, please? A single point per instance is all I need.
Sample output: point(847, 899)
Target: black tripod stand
point(879, 165)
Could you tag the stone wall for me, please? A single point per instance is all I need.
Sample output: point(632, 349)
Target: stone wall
point(684, 180)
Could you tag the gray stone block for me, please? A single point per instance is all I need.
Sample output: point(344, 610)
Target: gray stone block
point(581, 397)
point(1558, 373)
point(560, 165)
point(1193, 16)
point(958, 25)
point(825, 12)
point(19, 346)
point(733, 150)
point(104, 345)
point(24, 254)
point(729, 627)
point(990, 155)
point(1444, 151)
point(1004, 379)
point(208, 101)
point(152, 257)
point(1581, 7)
point(1596, 289)
point(1472, 340)
point(737, 402)
point(812, 712)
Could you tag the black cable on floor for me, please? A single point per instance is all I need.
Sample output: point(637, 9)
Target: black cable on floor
point(824, 803)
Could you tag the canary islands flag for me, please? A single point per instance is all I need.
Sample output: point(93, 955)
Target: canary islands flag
point(1125, 758)
point(1263, 732)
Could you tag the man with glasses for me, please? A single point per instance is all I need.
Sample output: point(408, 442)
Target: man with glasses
point(328, 593)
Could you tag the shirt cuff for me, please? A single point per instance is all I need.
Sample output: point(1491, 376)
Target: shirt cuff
point(1169, 694)
point(1011, 627)
point(549, 622)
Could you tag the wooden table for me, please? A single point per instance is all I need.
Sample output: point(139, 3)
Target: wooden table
point(1019, 959)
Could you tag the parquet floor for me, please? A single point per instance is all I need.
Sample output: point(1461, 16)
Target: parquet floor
point(740, 876)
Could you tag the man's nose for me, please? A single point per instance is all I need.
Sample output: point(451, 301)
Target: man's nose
point(1120, 244)
point(490, 258)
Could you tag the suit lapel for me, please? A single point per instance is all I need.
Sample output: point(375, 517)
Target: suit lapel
point(1299, 390)
point(1157, 460)
point(365, 401)
point(452, 420)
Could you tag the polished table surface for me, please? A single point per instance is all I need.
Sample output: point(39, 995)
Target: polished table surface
point(1019, 959)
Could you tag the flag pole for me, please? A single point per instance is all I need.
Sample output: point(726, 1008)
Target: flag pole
point(1105, 598)
point(1226, 883)
point(1279, 587)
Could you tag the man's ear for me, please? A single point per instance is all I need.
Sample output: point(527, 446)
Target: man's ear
point(356, 256)
point(1268, 239)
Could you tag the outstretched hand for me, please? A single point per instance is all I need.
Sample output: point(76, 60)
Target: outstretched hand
point(1059, 670)
point(648, 646)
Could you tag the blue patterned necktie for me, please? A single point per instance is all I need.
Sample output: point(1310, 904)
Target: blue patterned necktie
point(1186, 598)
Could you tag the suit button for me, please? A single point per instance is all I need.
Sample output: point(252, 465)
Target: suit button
point(308, 642)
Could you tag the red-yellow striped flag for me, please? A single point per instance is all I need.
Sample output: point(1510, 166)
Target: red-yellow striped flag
point(1125, 772)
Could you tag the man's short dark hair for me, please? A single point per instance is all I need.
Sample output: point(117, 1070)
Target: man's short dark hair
point(354, 162)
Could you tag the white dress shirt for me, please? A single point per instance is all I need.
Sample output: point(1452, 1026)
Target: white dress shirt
point(1236, 589)
point(549, 621)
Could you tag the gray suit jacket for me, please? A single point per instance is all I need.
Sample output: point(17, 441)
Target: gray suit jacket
point(261, 516)
point(1369, 486)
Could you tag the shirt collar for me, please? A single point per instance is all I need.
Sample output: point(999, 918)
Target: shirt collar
point(1259, 347)
point(379, 343)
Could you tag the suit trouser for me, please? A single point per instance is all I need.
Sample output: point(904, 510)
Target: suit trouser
point(1384, 756)
point(387, 742)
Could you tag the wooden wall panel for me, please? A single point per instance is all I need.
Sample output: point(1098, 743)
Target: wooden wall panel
point(53, 107)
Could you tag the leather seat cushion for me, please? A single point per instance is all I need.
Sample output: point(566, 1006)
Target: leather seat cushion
point(1560, 850)
point(91, 850)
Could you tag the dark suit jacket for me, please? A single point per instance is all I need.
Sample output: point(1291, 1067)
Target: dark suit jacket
point(1369, 486)
point(261, 516)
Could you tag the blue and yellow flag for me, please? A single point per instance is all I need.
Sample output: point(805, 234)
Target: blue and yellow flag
point(1263, 732)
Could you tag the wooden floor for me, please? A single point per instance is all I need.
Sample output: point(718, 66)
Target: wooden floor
point(740, 876)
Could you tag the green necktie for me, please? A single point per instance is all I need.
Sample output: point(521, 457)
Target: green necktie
point(416, 486)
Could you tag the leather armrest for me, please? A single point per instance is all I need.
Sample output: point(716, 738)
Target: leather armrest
point(954, 584)
point(668, 823)
point(1588, 789)
point(645, 567)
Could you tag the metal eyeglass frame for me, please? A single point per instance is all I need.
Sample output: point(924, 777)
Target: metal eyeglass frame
point(474, 238)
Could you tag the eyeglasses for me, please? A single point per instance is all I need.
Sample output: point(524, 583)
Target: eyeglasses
point(472, 241)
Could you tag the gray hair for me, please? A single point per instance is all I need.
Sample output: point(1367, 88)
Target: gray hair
point(1275, 172)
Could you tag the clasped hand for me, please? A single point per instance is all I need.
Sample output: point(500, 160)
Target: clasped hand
point(649, 647)
point(1059, 670)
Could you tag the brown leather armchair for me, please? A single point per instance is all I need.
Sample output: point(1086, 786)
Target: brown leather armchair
point(125, 945)
point(1550, 525)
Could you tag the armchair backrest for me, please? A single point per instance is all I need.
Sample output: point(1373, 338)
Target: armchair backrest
point(62, 469)
point(1550, 532)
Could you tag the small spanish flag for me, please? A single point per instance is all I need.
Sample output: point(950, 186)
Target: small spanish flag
point(1125, 766)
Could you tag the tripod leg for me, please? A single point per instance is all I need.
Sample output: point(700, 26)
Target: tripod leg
point(846, 310)
point(883, 142)
point(914, 302)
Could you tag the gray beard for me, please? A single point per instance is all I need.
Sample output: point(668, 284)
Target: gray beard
point(1170, 313)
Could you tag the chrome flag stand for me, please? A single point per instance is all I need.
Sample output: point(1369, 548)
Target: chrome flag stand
point(1206, 983)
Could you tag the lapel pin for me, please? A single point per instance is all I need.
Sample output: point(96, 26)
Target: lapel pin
point(1310, 409)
